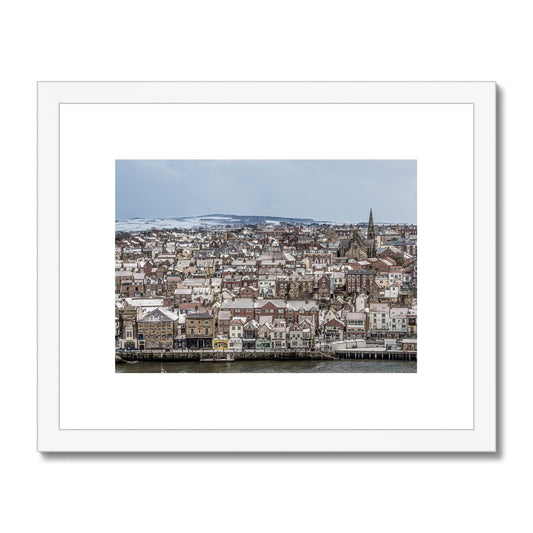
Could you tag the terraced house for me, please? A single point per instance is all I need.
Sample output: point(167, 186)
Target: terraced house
point(199, 330)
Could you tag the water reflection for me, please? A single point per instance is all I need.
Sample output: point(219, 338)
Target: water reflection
point(346, 366)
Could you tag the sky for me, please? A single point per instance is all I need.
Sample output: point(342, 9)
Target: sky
point(328, 190)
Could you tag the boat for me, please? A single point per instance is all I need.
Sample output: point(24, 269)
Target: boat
point(120, 361)
point(227, 358)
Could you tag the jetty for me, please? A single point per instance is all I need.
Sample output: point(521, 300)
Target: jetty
point(377, 354)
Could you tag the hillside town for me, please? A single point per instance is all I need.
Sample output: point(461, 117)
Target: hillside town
point(266, 288)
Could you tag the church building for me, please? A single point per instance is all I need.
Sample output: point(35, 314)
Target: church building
point(357, 247)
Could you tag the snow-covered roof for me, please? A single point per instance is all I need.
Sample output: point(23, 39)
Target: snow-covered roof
point(159, 315)
point(145, 302)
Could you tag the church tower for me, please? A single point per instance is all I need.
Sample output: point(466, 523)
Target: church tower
point(371, 233)
point(371, 237)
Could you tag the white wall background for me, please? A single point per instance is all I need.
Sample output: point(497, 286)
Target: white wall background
point(243, 40)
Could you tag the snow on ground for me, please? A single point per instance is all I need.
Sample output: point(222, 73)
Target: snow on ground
point(145, 224)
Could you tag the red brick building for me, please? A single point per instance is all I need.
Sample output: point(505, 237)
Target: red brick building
point(324, 287)
point(292, 311)
point(358, 281)
point(231, 283)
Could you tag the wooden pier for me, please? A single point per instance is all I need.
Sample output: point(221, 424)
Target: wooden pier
point(376, 355)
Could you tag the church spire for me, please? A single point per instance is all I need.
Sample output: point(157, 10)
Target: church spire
point(371, 233)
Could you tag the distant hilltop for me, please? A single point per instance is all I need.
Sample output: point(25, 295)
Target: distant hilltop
point(144, 224)
point(214, 220)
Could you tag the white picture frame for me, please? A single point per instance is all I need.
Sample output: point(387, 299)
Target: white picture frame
point(66, 113)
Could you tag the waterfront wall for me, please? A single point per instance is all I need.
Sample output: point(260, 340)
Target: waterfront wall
point(281, 355)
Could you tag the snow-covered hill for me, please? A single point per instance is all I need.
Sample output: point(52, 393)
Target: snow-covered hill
point(143, 224)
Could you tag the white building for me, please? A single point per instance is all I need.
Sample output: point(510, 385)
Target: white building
point(236, 328)
point(355, 325)
point(392, 291)
point(378, 318)
point(360, 302)
point(267, 287)
point(295, 338)
point(278, 337)
point(398, 320)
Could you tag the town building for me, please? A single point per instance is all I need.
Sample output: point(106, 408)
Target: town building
point(157, 330)
point(355, 325)
point(128, 327)
point(199, 330)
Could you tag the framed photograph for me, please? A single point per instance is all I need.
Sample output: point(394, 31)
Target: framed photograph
point(267, 266)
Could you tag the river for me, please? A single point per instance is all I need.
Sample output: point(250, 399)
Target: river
point(342, 366)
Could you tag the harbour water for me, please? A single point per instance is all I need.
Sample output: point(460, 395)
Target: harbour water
point(341, 366)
